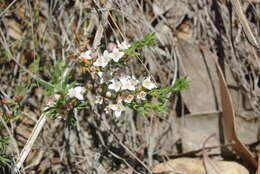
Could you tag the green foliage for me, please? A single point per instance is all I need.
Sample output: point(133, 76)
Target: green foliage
point(161, 94)
point(4, 158)
point(14, 109)
point(146, 41)
point(179, 85)
point(58, 79)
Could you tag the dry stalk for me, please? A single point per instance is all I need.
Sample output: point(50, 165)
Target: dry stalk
point(14, 143)
point(252, 1)
point(243, 21)
point(28, 146)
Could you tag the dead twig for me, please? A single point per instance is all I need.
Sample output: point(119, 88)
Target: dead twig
point(28, 146)
point(209, 165)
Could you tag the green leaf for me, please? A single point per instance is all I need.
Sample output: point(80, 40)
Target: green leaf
point(147, 40)
point(4, 158)
point(178, 86)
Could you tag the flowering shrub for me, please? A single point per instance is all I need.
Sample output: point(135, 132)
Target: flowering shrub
point(114, 90)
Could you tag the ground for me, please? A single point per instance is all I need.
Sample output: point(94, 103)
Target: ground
point(214, 45)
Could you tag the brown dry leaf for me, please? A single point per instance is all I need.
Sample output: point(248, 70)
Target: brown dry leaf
point(228, 116)
point(200, 97)
point(258, 167)
point(195, 166)
point(248, 128)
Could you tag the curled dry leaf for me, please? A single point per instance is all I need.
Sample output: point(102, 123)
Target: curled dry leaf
point(258, 167)
point(228, 116)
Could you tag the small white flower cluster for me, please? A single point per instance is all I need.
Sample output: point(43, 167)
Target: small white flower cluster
point(128, 83)
point(124, 83)
point(115, 54)
point(124, 86)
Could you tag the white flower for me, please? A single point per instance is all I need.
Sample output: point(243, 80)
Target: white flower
point(99, 62)
point(56, 96)
point(103, 60)
point(134, 81)
point(115, 85)
point(117, 108)
point(127, 83)
point(116, 54)
point(147, 83)
point(129, 98)
point(106, 54)
point(86, 55)
point(123, 45)
point(108, 94)
point(76, 92)
point(141, 95)
point(99, 100)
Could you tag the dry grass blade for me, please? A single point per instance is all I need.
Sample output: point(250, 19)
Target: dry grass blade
point(243, 21)
point(252, 1)
point(6, 9)
point(228, 117)
point(209, 165)
point(28, 146)
point(14, 143)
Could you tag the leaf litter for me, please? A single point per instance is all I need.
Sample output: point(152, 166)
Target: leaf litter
point(135, 143)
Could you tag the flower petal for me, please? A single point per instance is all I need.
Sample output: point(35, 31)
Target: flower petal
point(86, 55)
point(147, 83)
